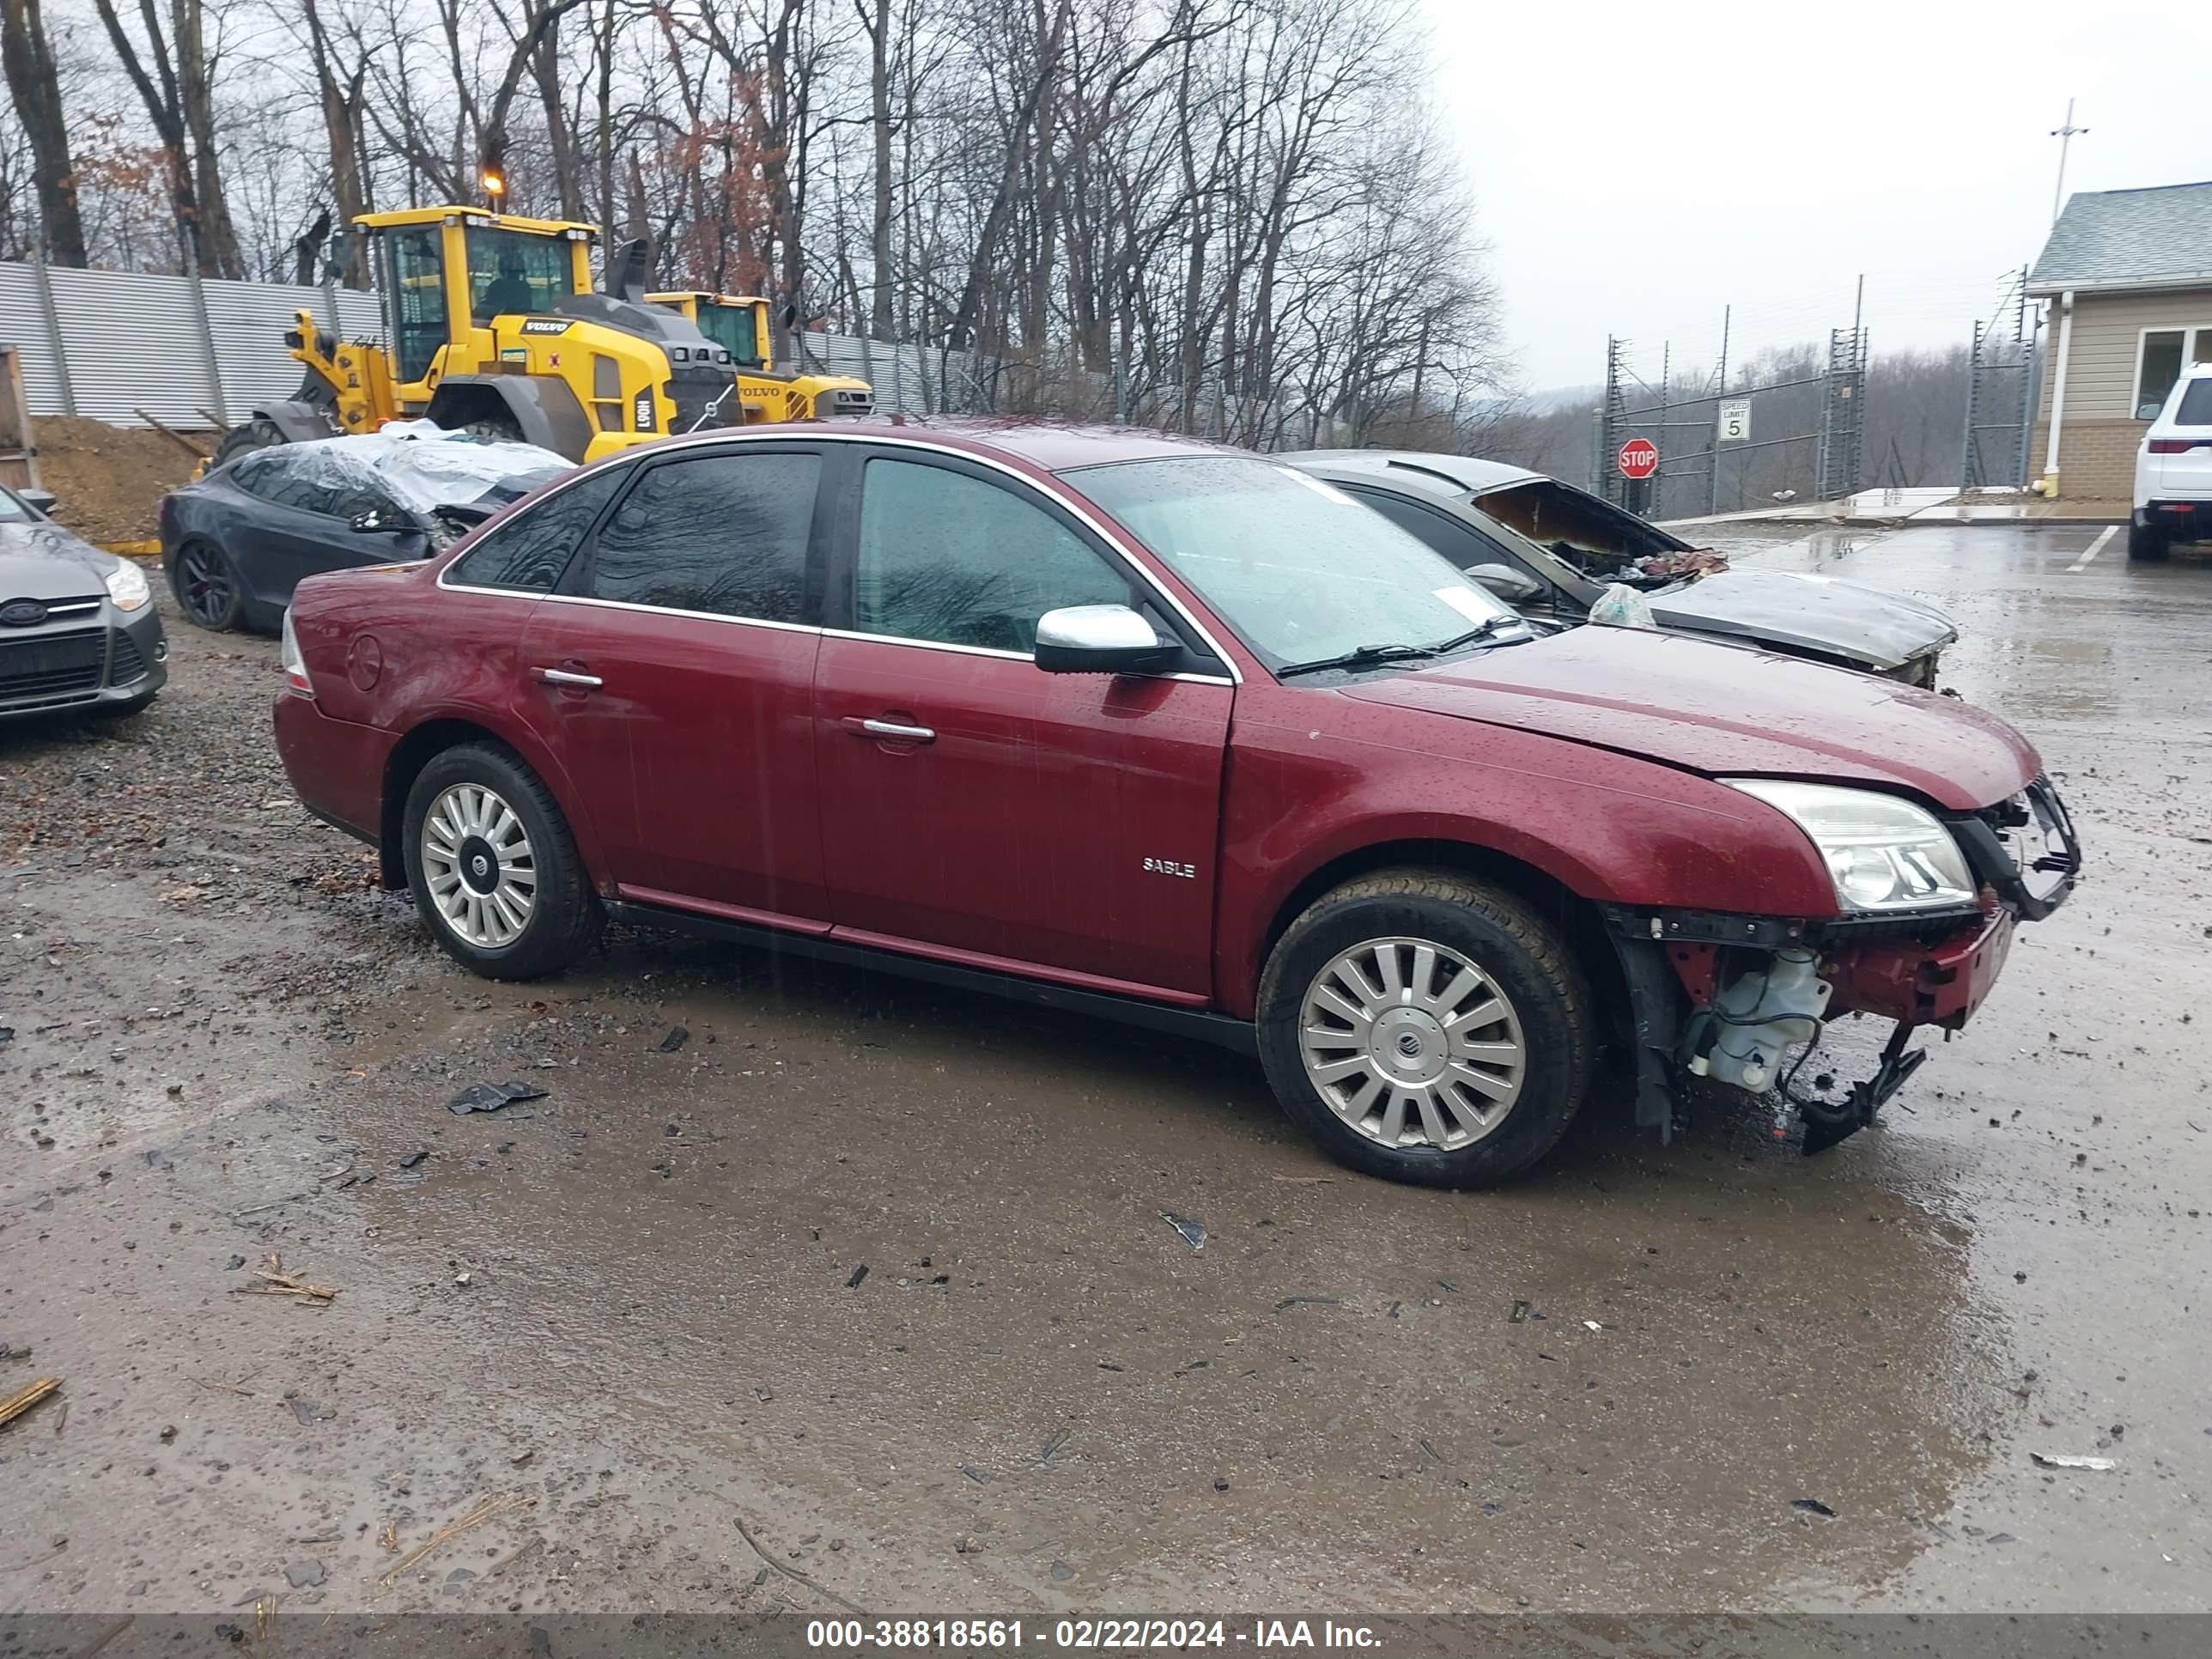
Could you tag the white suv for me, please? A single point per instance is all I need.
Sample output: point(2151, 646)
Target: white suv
point(2173, 470)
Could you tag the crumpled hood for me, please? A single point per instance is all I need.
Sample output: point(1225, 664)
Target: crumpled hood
point(1725, 711)
point(1810, 612)
point(42, 560)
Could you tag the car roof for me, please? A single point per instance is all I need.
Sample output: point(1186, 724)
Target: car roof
point(1050, 446)
point(1467, 471)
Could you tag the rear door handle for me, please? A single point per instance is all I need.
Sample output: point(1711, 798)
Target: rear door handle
point(566, 676)
point(893, 731)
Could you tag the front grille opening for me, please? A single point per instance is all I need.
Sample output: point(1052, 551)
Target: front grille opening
point(125, 662)
point(53, 668)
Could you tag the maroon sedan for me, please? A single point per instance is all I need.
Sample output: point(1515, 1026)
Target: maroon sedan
point(1178, 734)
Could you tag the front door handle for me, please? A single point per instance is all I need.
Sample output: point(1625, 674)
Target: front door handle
point(890, 730)
point(567, 676)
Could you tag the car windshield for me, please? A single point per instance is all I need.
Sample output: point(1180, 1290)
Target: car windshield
point(1301, 571)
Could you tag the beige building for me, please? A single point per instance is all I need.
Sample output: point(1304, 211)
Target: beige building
point(2128, 276)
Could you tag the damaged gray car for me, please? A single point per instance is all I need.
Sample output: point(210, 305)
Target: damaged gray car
point(1551, 551)
point(236, 541)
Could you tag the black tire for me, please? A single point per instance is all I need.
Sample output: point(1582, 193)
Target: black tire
point(565, 916)
point(2147, 543)
point(1524, 956)
point(255, 434)
point(206, 584)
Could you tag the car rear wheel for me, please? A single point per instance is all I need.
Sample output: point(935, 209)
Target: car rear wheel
point(2147, 543)
point(206, 584)
point(493, 869)
point(1426, 1027)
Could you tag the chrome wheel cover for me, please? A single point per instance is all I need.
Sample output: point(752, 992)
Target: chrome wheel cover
point(1412, 1044)
point(478, 866)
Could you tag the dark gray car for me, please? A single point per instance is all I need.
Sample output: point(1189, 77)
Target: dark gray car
point(236, 543)
point(78, 630)
point(1551, 551)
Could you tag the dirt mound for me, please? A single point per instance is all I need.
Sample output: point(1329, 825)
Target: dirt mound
point(108, 479)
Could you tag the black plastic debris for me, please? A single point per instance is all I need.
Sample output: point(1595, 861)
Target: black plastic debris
point(677, 1037)
point(858, 1274)
point(1305, 1300)
point(491, 1096)
point(1812, 1506)
point(7, 1034)
point(1194, 1232)
point(412, 1159)
point(1520, 1314)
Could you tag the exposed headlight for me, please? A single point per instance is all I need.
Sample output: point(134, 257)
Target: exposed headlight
point(126, 585)
point(1883, 853)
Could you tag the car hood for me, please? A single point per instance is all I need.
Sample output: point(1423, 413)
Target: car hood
point(1803, 611)
point(42, 560)
point(1725, 711)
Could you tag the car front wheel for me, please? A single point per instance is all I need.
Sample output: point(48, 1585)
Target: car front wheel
point(1427, 1028)
point(206, 584)
point(493, 869)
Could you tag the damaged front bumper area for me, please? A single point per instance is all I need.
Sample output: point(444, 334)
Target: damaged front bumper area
point(1741, 999)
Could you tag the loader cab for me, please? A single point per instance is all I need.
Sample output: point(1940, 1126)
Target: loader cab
point(738, 325)
point(449, 272)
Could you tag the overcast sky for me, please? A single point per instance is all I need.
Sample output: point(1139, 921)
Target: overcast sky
point(1633, 177)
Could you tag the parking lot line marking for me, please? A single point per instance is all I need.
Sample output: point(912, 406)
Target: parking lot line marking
point(2095, 549)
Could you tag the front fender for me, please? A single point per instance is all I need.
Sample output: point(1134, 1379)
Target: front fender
point(1606, 827)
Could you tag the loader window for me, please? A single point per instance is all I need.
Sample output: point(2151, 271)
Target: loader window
point(511, 274)
point(417, 296)
point(734, 329)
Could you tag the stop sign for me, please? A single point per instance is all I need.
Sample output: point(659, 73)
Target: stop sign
point(1639, 458)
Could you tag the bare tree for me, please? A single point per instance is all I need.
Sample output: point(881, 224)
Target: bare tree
point(35, 84)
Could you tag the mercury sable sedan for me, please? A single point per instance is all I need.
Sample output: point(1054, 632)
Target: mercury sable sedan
point(1175, 733)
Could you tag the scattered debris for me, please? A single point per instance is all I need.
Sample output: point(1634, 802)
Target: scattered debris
point(388, 1540)
point(1054, 1443)
point(14, 1405)
point(168, 1433)
point(276, 1281)
point(677, 1037)
point(794, 1573)
point(1194, 1232)
point(1812, 1506)
point(234, 1264)
point(482, 1510)
point(980, 1477)
point(1592, 1325)
point(1221, 1483)
point(414, 1157)
point(303, 1575)
point(1061, 1572)
point(2065, 1461)
point(858, 1274)
point(1520, 1314)
point(228, 1387)
point(1306, 1301)
point(309, 1411)
point(488, 1097)
point(521, 1459)
point(966, 1544)
point(1308, 1180)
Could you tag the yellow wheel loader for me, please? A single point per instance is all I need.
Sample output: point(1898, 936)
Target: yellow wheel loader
point(740, 327)
point(492, 325)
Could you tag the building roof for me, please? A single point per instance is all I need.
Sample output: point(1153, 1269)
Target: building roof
point(2122, 238)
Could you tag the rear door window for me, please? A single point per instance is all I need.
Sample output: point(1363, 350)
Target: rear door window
point(724, 534)
point(528, 552)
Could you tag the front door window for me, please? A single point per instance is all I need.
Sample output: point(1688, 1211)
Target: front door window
point(416, 295)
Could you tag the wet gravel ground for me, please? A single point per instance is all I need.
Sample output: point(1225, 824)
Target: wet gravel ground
point(856, 1294)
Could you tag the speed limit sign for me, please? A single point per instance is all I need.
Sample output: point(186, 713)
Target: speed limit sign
point(1735, 423)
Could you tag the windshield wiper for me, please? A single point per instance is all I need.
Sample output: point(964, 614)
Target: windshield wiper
point(1482, 630)
point(1362, 656)
point(1367, 656)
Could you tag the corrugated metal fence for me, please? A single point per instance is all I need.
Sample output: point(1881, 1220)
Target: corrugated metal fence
point(113, 343)
point(118, 346)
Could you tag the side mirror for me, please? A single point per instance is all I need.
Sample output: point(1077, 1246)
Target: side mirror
point(1101, 639)
point(374, 520)
point(39, 501)
point(1507, 583)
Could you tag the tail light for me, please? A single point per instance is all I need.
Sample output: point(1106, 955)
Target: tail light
point(2177, 445)
point(295, 665)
